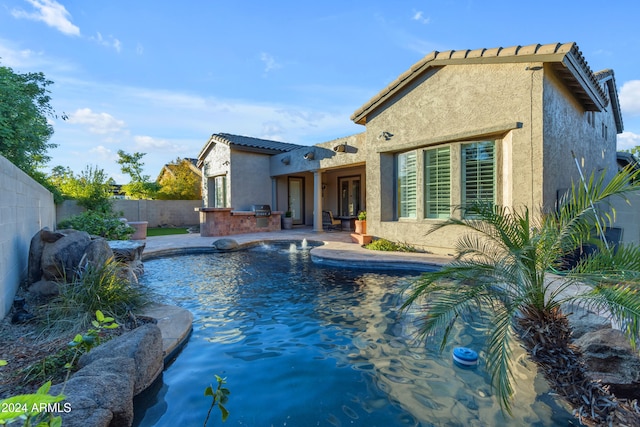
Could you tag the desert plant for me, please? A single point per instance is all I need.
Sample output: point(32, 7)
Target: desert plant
point(500, 269)
point(387, 245)
point(94, 288)
point(101, 224)
point(362, 216)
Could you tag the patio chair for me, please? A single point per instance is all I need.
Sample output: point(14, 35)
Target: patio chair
point(329, 223)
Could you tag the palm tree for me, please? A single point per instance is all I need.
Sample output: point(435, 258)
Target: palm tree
point(502, 268)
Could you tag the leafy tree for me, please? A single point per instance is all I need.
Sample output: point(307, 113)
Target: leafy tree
point(141, 186)
point(501, 271)
point(92, 188)
point(635, 151)
point(24, 129)
point(180, 182)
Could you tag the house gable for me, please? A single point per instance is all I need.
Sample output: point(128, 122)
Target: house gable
point(566, 58)
point(245, 143)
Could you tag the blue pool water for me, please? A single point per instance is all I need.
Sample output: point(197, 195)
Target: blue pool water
point(308, 345)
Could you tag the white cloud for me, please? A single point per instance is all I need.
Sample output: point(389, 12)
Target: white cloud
point(51, 13)
point(110, 41)
point(149, 142)
point(269, 62)
point(630, 97)
point(103, 152)
point(628, 140)
point(98, 123)
point(419, 17)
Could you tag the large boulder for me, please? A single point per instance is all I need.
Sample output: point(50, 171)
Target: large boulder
point(583, 320)
point(61, 258)
point(609, 357)
point(143, 345)
point(225, 244)
point(100, 394)
point(36, 247)
point(98, 252)
point(130, 253)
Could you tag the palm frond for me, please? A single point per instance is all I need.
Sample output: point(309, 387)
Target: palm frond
point(622, 302)
point(499, 353)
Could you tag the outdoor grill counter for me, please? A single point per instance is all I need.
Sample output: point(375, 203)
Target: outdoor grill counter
point(226, 221)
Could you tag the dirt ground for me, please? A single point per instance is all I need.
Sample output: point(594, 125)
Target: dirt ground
point(23, 345)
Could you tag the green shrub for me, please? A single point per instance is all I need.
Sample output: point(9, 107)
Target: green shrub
point(386, 245)
point(100, 224)
point(94, 288)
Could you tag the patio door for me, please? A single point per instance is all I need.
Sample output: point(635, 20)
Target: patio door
point(296, 199)
point(350, 195)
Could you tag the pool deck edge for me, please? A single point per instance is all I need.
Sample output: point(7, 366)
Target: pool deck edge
point(175, 324)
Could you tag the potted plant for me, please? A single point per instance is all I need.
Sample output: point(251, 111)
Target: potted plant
point(287, 220)
point(361, 223)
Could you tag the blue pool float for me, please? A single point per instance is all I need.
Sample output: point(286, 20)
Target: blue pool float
point(465, 357)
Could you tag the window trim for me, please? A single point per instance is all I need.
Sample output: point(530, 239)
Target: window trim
point(404, 206)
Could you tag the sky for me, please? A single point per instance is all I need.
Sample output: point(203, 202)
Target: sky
point(159, 77)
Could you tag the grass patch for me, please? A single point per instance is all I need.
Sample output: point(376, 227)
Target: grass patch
point(389, 246)
point(165, 231)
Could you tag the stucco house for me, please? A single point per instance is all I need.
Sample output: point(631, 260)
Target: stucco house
point(500, 124)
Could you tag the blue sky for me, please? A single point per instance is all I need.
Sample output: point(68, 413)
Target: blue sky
point(160, 77)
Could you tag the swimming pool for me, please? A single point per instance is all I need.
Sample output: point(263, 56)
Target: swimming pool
point(303, 345)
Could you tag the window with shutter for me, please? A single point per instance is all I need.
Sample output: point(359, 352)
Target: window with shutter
point(406, 185)
point(478, 173)
point(437, 182)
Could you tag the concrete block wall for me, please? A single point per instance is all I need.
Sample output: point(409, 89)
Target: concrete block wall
point(25, 208)
point(177, 213)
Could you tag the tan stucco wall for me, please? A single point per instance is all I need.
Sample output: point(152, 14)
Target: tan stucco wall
point(458, 103)
point(250, 182)
point(566, 129)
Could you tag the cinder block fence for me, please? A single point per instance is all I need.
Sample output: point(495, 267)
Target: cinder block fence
point(25, 208)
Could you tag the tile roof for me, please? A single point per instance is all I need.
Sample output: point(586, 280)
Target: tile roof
point(607, 77)
point(256, 143)
point(571, 65)
point(247, 143)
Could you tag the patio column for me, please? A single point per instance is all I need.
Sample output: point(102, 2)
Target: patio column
point(317, 201)
point(274, 194)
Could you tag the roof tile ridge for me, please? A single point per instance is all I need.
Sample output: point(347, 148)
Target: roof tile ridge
point(510, 51)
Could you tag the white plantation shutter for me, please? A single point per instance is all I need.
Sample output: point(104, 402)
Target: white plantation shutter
point(437, 175)
point(407, 181)
point(478, 168)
